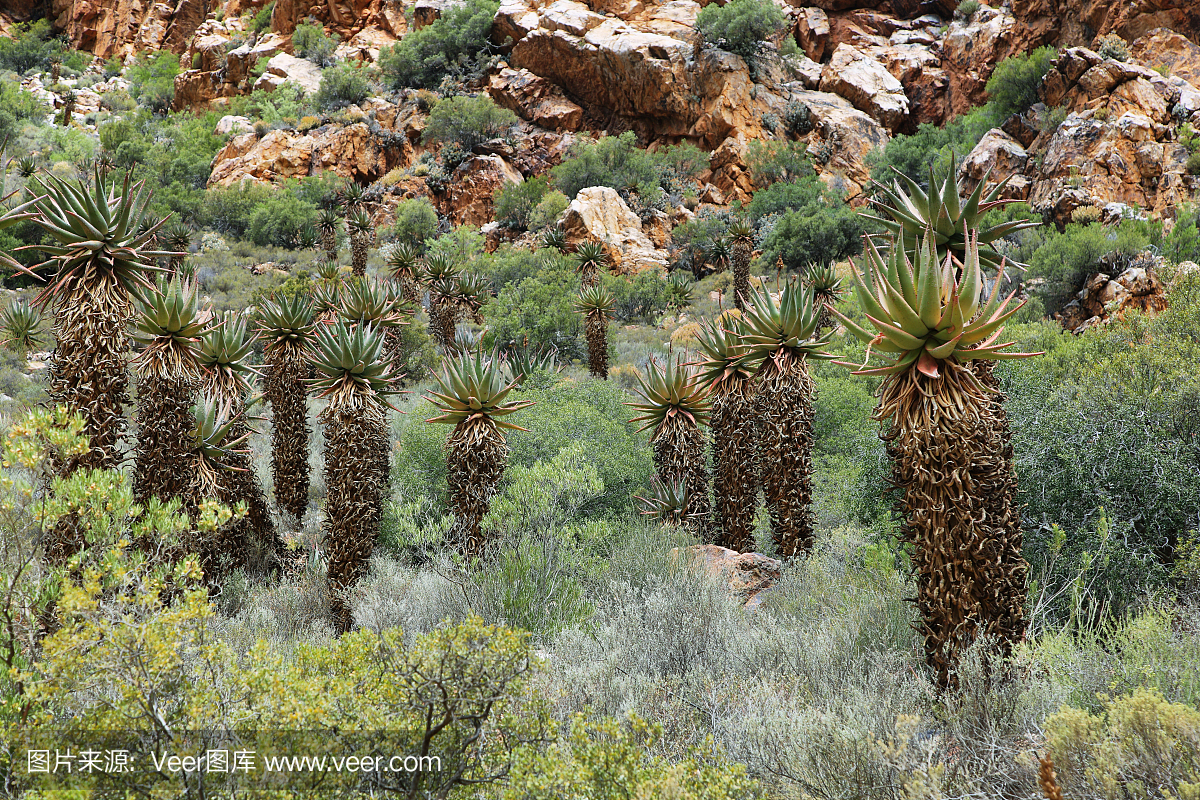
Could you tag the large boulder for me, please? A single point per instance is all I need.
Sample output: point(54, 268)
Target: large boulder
point(749, 576)
point(120, 28)
point(350, 151)
point(535, 99)
point(812, 32)
point(472, 188)
point(867, 84)
point(846, 136)
point(598, 213)
point(1169, 50)
point(971, 49)
point(285, 68)
point(998, 152)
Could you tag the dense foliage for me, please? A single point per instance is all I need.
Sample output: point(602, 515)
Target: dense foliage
point(422, 58)
point(740, 26)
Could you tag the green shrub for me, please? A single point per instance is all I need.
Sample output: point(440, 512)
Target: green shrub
point(262, 20)
point(784, 196)
point(618, 162)
point(30, 46)
point(227, 210)
point(740, 26)
point(541, 308)
point(416, 222)
point(966, 9)
point(152, 80)
point(342, 85)
point(466, 121)
point(1193, 164)
point(548, 210)
point(279, 219)
point(642, 299)
point(17, 107)
point(1183, 242)
point(309, 41)
point(1113, 46)
point(515, 202)
point(1065, 259)
point(422, 58)
point(1012, 87)
point(814, 235)
point(1136, 742)
point(774, 160)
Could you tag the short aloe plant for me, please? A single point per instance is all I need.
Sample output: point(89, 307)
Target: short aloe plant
point(19, 327)
point(472, 395)
point(675, 406)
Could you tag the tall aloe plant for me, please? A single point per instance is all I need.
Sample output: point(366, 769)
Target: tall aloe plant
point(287, 328)
point(781, 338)
point(930, 325)
point(352, 374)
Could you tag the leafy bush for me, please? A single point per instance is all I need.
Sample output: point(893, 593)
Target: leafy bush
point(515, 202)
point(30, 46)
point(262, 20)
point(1113, 46)
point(152, 80)
point(1136, 741)
point(416, 222)
point(824, 230)
point(466, 121)
point(932, 146)
point(16, 107)
point(540, 308)
point(422, 58)
point(1193, 164)
point(775, 160)
point(784, 196)
point(1066, 259)
point(548, 210)
point(966, 9)
point(227, 209)
point(740, 26)
point(1012, 87)
point(310, 41)
point(279, 219)
point(342, 85)
point(640, 176)
point(1183, 242)
point(642, 299)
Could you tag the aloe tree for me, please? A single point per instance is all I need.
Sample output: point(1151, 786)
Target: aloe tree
point(472, 396)
point(373, 305)
point(674, 404)
point(596, 305)
point(225, 352)
point(442, 273)
point(727, 372)
point(946, 459)
point(286, 326)
point(404, 264)
point(353, 376)
point(362, 231)
point(168, 370)
point(216, 457)
point(101, 260)
point(590, 258)
point(742, 237)
point(827, 288)
point(781, 339)
point(19, 327)
point(329, 223)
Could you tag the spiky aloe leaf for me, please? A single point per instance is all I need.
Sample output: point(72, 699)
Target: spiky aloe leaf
point(225, 350)
point(555, 238)
point(667, 502)
point(171, 312)
point(372, 303)
point(669, 391)
point(19, 326)
point(787, 324)
point(98, 228)
point(473, 388)
point(521, 362)
point(590, 258)
point(909, 211)
point(349, 361)
point(286, 320)
point(922, 313)
point(217, 435)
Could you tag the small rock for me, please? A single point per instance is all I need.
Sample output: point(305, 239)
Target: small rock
point(233, 124)
point(749, 575)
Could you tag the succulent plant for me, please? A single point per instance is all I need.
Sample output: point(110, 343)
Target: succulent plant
point(19, 326)
point(27, 166)
point(742, 237)
point(679, 291)
point(169, 326)
point(676, 407)
point(950, 458)
point(441, 272)
point(596, 304)
point(555, 238)
point(827, 288)
point(404, 263)
point(780, 340)
point(522, 362)
point(286, 327)
point(590, 258)
point(329, 223)
point(909, 211)
point(352, 374)
point(177, 237)
point(727, 372)
point(472, 395)
point(667, 502)
point(362, 231)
